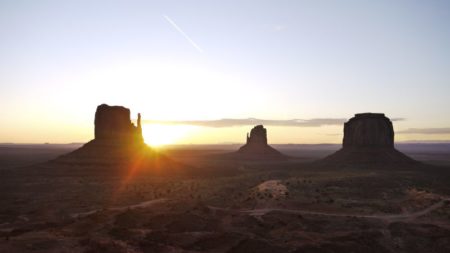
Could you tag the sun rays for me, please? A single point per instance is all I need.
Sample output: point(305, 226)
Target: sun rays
point(157, 135)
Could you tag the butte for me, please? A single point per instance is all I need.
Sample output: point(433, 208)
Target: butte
point(257, 148)
point(368, 141)
point(118, 146)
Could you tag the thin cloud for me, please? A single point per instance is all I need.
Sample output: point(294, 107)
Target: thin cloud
point(444, 130)
point(172, 23)
point(253, 121)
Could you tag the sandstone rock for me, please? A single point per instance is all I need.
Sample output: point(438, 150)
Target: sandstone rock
point(368, 130)
point(368, 141)
point(113, 123)
point(257, 147)
point(258, 136)
point(118, 146)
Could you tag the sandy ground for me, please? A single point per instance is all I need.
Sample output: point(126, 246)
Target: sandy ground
point(229, 207)
point(273, 187)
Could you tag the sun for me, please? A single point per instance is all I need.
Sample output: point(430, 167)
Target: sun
point(157, 135)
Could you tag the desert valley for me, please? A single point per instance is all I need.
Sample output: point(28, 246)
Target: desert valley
point(254, 126)
point(115, 194)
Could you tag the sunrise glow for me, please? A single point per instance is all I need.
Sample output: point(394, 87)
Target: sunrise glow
point(171, 64)
point(160, 134)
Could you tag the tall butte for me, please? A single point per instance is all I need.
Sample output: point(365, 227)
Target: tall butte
point(368, 140)
point(257, 148)
point(112, 123)
point(118, 144)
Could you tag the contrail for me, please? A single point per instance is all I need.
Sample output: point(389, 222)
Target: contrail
point(182, 33)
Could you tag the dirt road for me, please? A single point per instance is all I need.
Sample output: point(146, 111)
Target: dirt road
point(121, 208)
point(262, 211)
point(386, 217)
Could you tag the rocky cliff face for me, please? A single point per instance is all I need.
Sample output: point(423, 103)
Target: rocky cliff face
point(258, 136)
point(368, 130)
point(368, 141)
point(113, 123)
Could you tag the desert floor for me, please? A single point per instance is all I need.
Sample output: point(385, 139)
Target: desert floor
point(225, 205)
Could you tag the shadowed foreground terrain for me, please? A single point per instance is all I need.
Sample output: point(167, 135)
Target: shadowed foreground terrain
point(227, 206)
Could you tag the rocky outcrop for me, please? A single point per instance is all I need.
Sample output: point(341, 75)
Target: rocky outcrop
point(113, 123)
point(368, 141)
point(256, 147)
point(368, 130)
point(258, 136)
point(118, 146)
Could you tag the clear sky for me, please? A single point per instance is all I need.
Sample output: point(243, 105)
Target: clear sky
point(211, 60)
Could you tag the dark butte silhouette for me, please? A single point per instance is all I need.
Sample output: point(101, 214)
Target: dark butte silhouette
point(257, 148)
point(368, 130)
point(257, 136)
point(118, 144)
point(113, 123)
point(368, 140)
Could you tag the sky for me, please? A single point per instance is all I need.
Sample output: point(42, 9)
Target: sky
point(182, 64)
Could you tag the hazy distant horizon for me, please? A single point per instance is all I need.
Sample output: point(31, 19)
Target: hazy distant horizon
point(229, 143)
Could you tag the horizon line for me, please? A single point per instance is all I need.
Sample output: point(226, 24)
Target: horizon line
point(232, 143)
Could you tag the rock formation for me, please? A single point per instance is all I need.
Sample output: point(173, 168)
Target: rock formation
point(257, 148)
point(118, 144)
point(368, 140)
point(113, 123)
point(369, 130)
point(258, 136)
